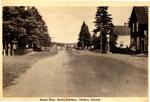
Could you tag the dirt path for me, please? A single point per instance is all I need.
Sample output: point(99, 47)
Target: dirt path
point(73, 74)
point(42, 77)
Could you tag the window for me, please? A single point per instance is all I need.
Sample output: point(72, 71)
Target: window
point(132, 41)
point(137, 27)
point(138, 42)
point(121, 44)
point(145, 33)
point(133, 27)
point(145, 40)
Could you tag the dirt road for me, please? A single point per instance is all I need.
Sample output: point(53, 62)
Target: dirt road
point(73, 74)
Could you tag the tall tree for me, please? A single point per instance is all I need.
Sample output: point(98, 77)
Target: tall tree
point(24, 25)
point(104, 26)
point(84, 37)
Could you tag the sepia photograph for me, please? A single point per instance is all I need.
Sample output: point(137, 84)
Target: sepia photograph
point(75, 51)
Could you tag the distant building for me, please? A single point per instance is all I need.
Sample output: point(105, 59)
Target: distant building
point(123, 33)
point(139, 29)
point(72, 45)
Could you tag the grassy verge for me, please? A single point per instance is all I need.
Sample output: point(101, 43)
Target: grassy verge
point(14, 66)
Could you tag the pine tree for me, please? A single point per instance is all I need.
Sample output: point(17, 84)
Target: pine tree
point(84, 37)
point(24, 25)
point(104, 26)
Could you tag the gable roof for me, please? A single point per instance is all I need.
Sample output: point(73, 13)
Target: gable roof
point(141, 13)
point(121, 30)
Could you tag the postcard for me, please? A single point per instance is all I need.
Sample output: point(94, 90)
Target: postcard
point(74, 51)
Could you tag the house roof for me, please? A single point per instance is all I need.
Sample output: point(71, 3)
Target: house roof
point(121, 30)
point(141, 14)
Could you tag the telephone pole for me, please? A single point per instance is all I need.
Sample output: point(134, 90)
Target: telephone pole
point(82, 43)
point(101, 43)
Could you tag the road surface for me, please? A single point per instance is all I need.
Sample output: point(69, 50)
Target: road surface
point(75, 74)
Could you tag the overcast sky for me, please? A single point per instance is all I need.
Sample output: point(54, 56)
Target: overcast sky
point(64, 23)
point(64, 18)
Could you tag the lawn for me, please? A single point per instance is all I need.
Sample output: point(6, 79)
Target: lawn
point(14, 66)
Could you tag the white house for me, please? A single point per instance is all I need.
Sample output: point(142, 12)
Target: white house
point(123, 33)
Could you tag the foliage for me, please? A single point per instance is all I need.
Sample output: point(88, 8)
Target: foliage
point(24, 25)
point(104, 26)
point(84, 37)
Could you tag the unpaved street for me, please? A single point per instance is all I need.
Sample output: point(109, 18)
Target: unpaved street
point(74, 74)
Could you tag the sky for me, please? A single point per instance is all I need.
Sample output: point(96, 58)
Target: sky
point(64, 18)
point(64, 23)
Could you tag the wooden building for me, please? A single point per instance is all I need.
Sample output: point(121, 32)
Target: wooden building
point(139, 29)
point(123, 32)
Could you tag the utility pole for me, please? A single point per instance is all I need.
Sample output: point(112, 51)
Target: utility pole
point(82, 43)
point(101, 43)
